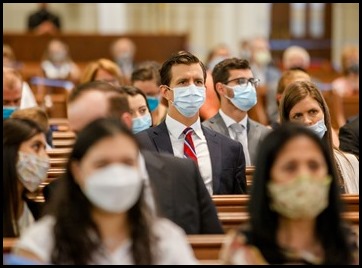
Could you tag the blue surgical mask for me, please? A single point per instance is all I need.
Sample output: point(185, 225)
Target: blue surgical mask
point(8, 110)
point(153, 102)
point(141, 123)
point(319, 128)
point(244, 97)
point(188, 100)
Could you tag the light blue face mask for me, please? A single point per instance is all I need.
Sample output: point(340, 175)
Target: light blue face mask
point(153, 102)
point(244, 97)
point(188, 100)
point(141, 123)
point(8, 110)
point(319, 128)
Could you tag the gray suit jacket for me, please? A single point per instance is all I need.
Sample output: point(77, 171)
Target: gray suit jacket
point(256, 132)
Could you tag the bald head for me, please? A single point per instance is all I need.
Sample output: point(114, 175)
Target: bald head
point(12, 87)
point(89, 106)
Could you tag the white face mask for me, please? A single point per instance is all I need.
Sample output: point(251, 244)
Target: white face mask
point(189, 99)
point(319, 128)
point(32, 170)
point(114, 188)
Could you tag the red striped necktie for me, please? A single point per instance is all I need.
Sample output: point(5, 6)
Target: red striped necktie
point(189, 149)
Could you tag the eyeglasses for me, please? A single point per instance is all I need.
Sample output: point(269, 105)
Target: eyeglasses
point(244, 81)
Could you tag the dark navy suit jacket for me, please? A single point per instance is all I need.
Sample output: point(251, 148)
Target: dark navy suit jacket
point(227, 157)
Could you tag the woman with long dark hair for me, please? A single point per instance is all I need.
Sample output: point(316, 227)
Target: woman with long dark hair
point(295, 208)
point(99, 215)
point(25, 167)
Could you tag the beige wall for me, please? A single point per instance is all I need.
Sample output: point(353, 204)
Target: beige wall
point(206, 24)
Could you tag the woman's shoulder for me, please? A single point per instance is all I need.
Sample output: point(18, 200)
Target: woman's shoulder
point(164, 226)
point(38, 238)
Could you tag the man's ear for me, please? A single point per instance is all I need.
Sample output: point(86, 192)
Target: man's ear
point(219, 87)
point(127, 119)
point(166, 92)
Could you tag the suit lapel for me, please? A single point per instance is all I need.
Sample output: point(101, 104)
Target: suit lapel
point(253, 138)
point(161, 138)
point(219, 124)
point(213, 143)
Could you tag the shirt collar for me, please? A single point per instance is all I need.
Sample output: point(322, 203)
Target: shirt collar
point(229, 121)
point(175, 128)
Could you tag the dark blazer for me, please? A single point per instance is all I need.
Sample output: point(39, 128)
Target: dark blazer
point(256, 132)
point(179, 191)
point(349, 137)
point(227, 157)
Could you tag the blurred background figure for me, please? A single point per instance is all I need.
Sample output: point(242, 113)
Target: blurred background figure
point(57, 62)
point(43, 21)
point(349, 137)
point(261, 63)
point(303, 103)
point(217, 54)
point(12, 79)
point(244, 52)
point(107, 220)
point(295, 215)
point(103, 70)
point(147, 78)
point(25, 167)
point(12, 91)
point(139, 108)
point(347, 84)
point(288, 77)
point(9, 59)
point(123, 51)
point(296, 57)
point(212, 103)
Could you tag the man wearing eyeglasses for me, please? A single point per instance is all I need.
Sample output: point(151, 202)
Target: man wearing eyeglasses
point(235, 87)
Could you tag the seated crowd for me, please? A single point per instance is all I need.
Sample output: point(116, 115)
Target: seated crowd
point(144, 168)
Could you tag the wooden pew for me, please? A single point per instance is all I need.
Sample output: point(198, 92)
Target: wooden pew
point(156, 47)
point(206, 247)
point(230, 220)
point(8, 244)
point(63, 139)
point(239, 203)
point(60, 124)
point(249, 173)
point(56, 153)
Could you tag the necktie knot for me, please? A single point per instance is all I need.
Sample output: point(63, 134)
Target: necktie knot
point(238, 128)
point(187, 131)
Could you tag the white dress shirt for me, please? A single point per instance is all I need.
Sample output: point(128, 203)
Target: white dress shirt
point(177, 138)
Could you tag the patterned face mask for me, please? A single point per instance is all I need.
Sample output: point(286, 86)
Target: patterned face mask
point(303, 197)
point(32, 170)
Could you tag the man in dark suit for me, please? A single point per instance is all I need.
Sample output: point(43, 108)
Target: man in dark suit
point(349, 137)
point(177, 190)
point(235, 87)
point(220, 159)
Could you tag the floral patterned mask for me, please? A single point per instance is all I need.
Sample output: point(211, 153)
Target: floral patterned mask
point(303, 197)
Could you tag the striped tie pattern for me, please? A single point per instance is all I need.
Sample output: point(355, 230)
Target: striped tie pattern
point(189, 149)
